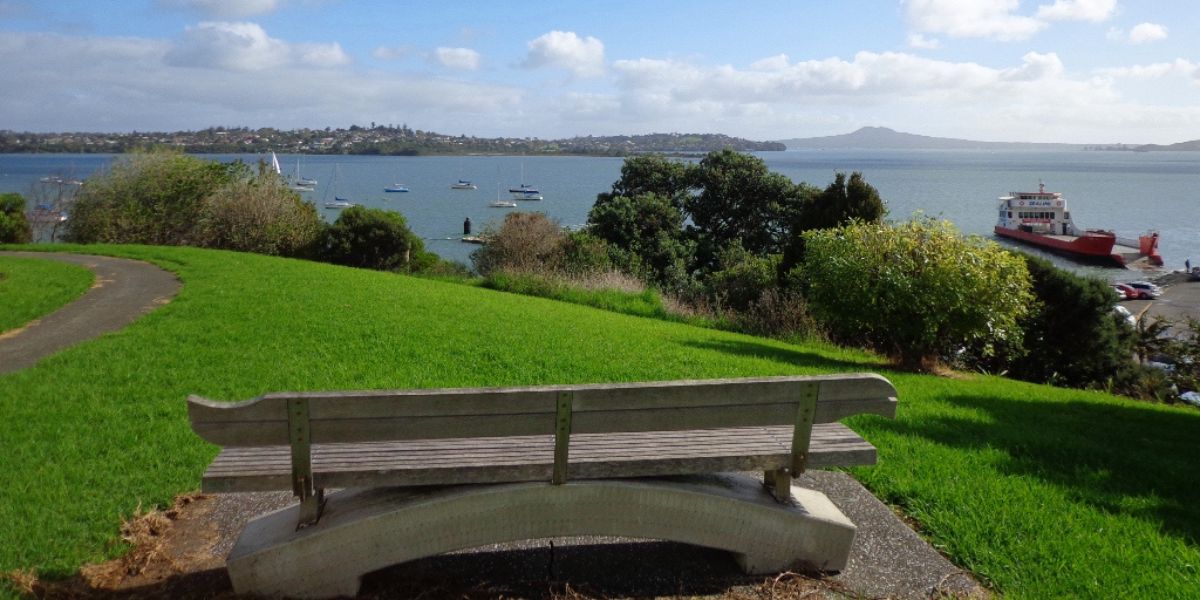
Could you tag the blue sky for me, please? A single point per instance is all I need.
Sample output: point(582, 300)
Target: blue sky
point(1089, 71)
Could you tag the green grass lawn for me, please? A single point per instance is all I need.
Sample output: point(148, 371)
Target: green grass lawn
point(31, 288)
point(1045, 493)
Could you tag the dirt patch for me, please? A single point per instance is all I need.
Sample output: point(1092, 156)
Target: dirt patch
point(171, 556)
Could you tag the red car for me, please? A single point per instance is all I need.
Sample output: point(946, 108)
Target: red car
point(1130, 293)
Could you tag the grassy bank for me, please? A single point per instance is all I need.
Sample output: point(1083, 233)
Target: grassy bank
point(31, 288)
point(1044, 492)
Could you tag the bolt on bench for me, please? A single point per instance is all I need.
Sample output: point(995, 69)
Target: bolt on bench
point(429, 471)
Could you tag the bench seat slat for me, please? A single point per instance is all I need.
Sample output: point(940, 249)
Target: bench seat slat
point(530, 458)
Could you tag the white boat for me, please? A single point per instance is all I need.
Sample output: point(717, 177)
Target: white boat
point(302, 182)
point(463, 184)
point(498, 203)
point(527, 195)
point(339, 203)
point(275, 163)
point(395, 187)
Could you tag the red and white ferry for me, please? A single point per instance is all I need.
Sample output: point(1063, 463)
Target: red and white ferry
point(1042, 219)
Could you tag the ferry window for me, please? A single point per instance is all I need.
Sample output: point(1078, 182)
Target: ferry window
point(1010, 214)
point(1067, 215)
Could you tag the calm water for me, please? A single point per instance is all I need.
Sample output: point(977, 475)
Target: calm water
point(1125, 191)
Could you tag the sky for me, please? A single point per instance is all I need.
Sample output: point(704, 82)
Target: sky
point(1080, 71)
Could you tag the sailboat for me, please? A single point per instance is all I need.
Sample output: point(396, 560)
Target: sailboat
point(525, 191)
point(396, 187)
point(302, 182)
point(337, 202)
point(498, 203)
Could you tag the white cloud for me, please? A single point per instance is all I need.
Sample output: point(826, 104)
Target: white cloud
point(457, 58)
point(916, 40)
point(68, 83)
point(247, 47)
point(1143, 33)
point(225, 9)
point(392, 52)
point(565, 50)
point(971, 19)
point(1179, 66)
point(1078, 10)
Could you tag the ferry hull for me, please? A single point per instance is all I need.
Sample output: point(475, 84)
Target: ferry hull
point(1092, 245)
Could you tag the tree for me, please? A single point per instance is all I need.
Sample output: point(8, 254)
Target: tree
point(1072, 337)
point(645, 236)
point(917, 291)
point(739, 202)
point(840, 203)
point(372, 238)
point(14, 227)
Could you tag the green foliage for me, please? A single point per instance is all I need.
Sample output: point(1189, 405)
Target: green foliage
point(1072, 337)
point(739, 202)
point(14, 227)
point(524, 242)
point(918, 290)
point(645, 237)
point(148, 198)
point(840, 203)
point(650, 174)
point(741, 278)
point(31, 288)
point(585, 253)
point(258, 216)
point(372, 238)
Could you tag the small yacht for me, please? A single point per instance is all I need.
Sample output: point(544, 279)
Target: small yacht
point(395, 187)
point(463, 184)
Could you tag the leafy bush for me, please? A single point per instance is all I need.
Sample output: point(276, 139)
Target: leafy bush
point(149, 198)
point(584, 253)
point(527, 242)
point(917, 291)
point(1072, 337)
point(372, 238)
point(14, 227)
point(742, 278)
point(258, 216)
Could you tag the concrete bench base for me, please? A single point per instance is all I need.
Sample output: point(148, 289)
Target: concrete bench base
point(368, 529)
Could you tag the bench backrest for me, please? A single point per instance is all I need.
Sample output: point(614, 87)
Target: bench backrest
point(372, 416)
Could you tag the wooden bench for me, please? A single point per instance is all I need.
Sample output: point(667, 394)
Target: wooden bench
point(436, 470)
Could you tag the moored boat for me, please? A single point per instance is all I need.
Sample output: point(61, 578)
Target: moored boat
point(1043, 219)
point(463, 184)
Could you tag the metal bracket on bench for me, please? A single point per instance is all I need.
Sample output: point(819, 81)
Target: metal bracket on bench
point(780, 480)
point(562, 435)
point(300, 437)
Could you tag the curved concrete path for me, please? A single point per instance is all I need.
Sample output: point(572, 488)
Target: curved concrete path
point(123, 291)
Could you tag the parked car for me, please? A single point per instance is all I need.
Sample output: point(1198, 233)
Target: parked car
point(1146, 290)
point(1126, 292)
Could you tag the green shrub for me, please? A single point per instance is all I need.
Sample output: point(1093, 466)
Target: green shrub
point(373, 238)
point(917, 291)
point(14, 227)
point(742, 278)
point(526, 242)
point(150, 198)
point(258, 216)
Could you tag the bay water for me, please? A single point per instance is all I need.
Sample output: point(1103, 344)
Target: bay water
point(1128, 192)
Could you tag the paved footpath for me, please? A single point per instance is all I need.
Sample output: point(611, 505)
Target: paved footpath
point(124, 290)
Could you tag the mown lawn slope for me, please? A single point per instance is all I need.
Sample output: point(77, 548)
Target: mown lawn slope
point(1044, 492)
point(30, 289)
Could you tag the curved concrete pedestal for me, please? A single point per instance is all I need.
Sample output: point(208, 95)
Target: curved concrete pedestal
point(366, 530)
